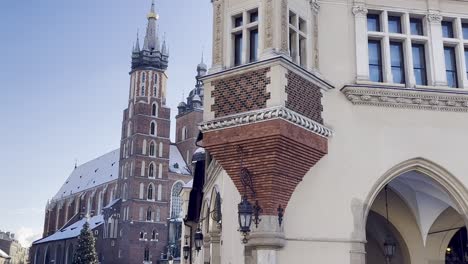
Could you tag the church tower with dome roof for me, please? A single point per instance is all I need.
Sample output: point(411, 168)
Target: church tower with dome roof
point(190, 114)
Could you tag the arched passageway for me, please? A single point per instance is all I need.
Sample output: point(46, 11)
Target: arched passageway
point(416, 215)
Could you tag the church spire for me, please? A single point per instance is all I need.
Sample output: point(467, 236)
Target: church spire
point(137, 45)
point(150, 43)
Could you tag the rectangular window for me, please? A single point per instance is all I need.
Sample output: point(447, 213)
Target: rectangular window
point(253, 16)
point(302, 51)
point(302, 25)
point(375, 61)
point(292, 18)
point(373, 22)
point(465, 30)
point(397, 62)
point(238, 21)
point(419, 64)
point(394, 24)
point(416, 26)
point(466, 61)
point(253, 45)
point(447, 29)
point(451, 66)
point(238, 49)
point(293, 44)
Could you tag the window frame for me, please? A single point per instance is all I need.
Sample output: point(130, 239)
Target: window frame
point(241, 52)
point(298, 38)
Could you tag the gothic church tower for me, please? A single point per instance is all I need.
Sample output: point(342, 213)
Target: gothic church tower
point(144, 158)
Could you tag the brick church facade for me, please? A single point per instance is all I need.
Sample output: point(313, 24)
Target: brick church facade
point(130, 196)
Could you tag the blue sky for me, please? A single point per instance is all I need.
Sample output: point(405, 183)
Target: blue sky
point(64, 81)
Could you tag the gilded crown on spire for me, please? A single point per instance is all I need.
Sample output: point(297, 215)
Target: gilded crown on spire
point(152, 13)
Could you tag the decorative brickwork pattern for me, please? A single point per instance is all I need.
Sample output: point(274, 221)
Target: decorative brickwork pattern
point(240, 93)
point(304, 97)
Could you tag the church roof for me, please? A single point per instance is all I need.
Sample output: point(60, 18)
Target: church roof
point(96, 172)
point(3, 254)
point(73, 230)
point(177, 163)
point(105, 169)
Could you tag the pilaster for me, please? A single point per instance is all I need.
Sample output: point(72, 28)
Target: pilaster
point(362, 57)
point(439, 77)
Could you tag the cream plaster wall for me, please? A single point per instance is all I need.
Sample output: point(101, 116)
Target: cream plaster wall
point(319, 221)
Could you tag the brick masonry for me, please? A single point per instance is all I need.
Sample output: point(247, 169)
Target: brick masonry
point(304, 97)
point(266, 147)
point(240, 93)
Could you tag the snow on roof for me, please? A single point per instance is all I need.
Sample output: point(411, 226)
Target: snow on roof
point(176, 161)
point(111, 203)
point(91, 174)
point(199, 150)
point(73, 230)
point(3, 254)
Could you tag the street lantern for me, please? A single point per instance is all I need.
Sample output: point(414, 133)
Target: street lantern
point(186, 249)
point(245, 216)
point(198, 237)
point(389, 248)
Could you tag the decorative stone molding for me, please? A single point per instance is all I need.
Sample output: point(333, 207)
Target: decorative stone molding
point(284, 26)
point(218, 32)
point(315, 6)
point(424, 99)
point(261, 115)
point(434, 18)
point(268, 24)
point(359, 10)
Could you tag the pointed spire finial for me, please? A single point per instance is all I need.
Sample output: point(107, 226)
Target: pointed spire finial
point(152, 13)
point(76, 163)
point(137, 45)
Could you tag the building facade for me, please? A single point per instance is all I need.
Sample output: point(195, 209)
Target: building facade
point(130, 195)
point(11, 251)
point(342, 124)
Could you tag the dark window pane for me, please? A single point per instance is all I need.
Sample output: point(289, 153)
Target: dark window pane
point(397, 63)
point(253, 45)
point(419, 64)
point(373, 22)
point(253, 16)
point(375, 61)
point(416, 26)
point(465, 30)
point(451, 67)
point(394, 24)
point(237, 49)
point(238, 21)
point(447, 29)
point(302, 52)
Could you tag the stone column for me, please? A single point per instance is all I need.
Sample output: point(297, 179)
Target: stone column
point(218, 36)
point(267, 239)
point(360, 31)
point(438, 75)
point(215, 247)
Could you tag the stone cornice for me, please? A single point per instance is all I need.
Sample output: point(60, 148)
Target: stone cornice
point(278, 112)
point(424, 99)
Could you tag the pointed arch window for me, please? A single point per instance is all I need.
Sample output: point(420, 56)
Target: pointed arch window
point(160, 170)
point(142, 234)
point(160, 149)
point(154, 110)
point(184, 133)
point(125, 192)
point(129, 129)
point(143, 148)
point(158, 214)
point(149, 215)
point(153, 235)
point(143, 168)
point(151, 173)
point(142, 190)
point(159, 192)
point(153, 128)
point(147, 255)
point(176, 202)
point(155, 85)
point(130, 111)
point(150, 192)
point(152, 149)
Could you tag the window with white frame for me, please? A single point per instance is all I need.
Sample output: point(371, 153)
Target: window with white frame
point(455, 38)
point(245, 37)
point(155, 85)
point(176, 201)
point(298, 39)
point(394, 41)
point(143, 81)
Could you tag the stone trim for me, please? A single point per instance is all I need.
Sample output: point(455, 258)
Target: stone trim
point(423, 99)
point(278, 112)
